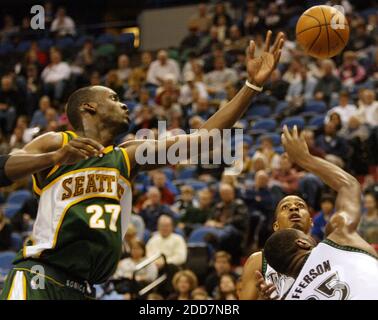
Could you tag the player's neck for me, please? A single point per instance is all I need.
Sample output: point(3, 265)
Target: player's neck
point(298, 263)
point(100, 134)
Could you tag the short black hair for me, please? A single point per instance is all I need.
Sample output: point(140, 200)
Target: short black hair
point(75, 100)
point(280, 249)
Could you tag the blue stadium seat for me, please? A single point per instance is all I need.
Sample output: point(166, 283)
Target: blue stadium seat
point(126, 39)
point(64, 43)
point(6, 259)
point(292, 121)
point(19, 197)
point(247, 139)
point(281, 106)
point(6, 48)
point(131, 105)
point(259, 111)
point(169, 173)
point(315, 107)
point(186, 173)
point(45, 44)
point(197, 185)
point(317, 121)
point(264, 125)
point(11, 209)
point(146, 235)
point(23, 46)
point(105, 38)
point(198, 235)
point(16, 241)
point(279, 149)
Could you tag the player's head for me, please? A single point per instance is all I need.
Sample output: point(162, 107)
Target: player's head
point(97, 104)
point(287, 250)
point(292, 212)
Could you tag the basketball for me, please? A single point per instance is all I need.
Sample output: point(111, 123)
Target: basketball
point(322, 31)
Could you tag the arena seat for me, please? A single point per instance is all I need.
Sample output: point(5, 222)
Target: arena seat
point(293, 121)
point(64, 43)
point(198, 235)
point(6, 259)
point(314, 107)
point(11, 209)
point(169, 173)
point(16, 241)
point(316, 122)
point(280, 107)
point(264, 125)
point(45, 44)
point(198, 259)
point(23, 46)
point(197, 185)
point(105, 38)
point(19, 196)
point(6, 48)
point(186, 173)
point(258, 111)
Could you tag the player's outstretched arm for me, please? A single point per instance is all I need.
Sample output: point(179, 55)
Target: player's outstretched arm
point(47, 151)
point(348, 201)
point(259, 69)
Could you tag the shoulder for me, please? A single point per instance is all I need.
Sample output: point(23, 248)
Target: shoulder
point(254, 262)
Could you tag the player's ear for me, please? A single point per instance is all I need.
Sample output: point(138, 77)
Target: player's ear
point(304, 244)
point(275, 226)
point(90, 107)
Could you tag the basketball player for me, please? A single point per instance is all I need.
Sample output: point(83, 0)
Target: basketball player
point(259, 279)
point(343, 266)
point(19, 164)
point(85, 207)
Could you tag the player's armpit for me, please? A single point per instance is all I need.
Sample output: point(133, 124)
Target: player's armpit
point(249, 290)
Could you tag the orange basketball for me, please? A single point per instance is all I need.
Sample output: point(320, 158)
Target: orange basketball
point(322, 31)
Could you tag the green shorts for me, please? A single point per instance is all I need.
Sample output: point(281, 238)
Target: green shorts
point(33, 280)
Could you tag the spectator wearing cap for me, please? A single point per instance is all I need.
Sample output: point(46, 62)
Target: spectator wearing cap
point(351, 72)
point(162, 66)
point(63, 25)
point(320, 220)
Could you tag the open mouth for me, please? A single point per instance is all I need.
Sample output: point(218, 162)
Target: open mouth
point(295, 217)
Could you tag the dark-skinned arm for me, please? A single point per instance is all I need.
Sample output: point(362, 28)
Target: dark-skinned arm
point(47, 151)
point(259, 70)
point(348, 201)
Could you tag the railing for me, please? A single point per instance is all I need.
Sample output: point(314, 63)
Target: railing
point(155, 283)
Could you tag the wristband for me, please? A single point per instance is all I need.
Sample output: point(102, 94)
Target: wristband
point(253, 87)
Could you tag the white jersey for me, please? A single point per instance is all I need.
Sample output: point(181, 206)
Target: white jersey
point(335, 272)
point(282, 282)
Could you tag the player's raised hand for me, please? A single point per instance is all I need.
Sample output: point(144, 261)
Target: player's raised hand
point(267, 291)
point(77, 149)
point(294, 144)
point(260, 68)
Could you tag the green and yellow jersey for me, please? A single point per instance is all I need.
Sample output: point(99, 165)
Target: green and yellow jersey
point(83, 213)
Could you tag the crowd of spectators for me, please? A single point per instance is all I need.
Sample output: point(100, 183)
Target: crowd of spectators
point(184, 86)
